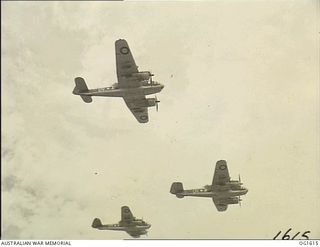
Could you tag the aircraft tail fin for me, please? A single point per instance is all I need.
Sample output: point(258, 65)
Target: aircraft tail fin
point(177, 188)
point(81, 87)
point(96, 223)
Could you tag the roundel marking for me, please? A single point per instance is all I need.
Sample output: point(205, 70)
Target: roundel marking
point(126, 210)
point(143, 117)
point(222, 167)
point(124, 50)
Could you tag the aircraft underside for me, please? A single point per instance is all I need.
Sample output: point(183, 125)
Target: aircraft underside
point(228, 193)
point(122, 92)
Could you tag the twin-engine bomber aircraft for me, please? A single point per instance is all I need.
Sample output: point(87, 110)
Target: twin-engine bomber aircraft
point(223, 191)
point(132, 85)
point(133, 226)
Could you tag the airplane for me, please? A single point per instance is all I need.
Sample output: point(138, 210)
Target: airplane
point(223, 191)
point(128, 223)
point(133, 85)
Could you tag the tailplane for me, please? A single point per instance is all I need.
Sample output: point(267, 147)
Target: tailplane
point(96, 223)
point(177, 188)
point(81, 87)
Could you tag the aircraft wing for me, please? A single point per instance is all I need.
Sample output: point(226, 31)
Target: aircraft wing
point(135, 104)
point(126, 65)
point(126, 215)
point(219, 205)
point(221, 173)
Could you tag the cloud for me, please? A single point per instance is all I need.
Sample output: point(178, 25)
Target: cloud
point(9, 182)
point(11, 231)
point(240, 91)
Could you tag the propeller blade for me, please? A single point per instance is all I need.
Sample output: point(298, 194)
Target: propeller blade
point(157, 101)
point(239, 178)
point(240, 201)
point(150, 74)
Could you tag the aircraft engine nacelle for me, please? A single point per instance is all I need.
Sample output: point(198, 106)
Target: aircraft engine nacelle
point(232, 200)
point(235, 186)
point(143, 75)
point(143, 232)
point(235, 182)
point(151, 102)
point(148, 102)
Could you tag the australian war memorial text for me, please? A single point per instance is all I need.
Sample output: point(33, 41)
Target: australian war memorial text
point(35, 243)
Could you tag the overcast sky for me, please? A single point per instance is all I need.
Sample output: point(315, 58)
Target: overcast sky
point(241, 84)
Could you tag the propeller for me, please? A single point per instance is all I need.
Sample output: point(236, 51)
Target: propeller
point(239, 178)
point(150, 74)
point(157, 101)
point(240, 201)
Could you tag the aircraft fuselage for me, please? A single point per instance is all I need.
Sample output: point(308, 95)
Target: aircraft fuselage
point(138, 228)
point(118, 227)
point(213, 193)
point(123, 92)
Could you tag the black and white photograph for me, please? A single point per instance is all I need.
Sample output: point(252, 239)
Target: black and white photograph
point(160, 120)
